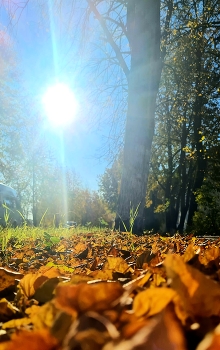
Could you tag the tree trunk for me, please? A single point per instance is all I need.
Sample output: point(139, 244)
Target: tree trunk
point(143, 82)
point(198, 115)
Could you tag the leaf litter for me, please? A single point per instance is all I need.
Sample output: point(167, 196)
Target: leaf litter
point(111, 291)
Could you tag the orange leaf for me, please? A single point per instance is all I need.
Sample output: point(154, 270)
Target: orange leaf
point(28, 283)
point(49, 271)
point(35, 340)
point(152, 301)
point(199, 294)
point(117, 264)
point(168, 333)
point(7, 278)
point(7, 310)
point(102, 275)
point(84, 297)
point(210, 255)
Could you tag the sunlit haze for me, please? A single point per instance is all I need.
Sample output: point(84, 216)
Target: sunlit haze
point(60, 104)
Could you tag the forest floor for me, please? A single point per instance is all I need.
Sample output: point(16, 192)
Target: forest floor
point(107, 290)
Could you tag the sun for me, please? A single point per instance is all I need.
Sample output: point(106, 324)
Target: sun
point(60, 104)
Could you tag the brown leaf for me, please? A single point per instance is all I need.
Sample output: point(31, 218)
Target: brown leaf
point(152, 301)
point(114, 252)
point(168, 333)
point(28, 283)
point(95, 264)
point(7, 310)
point(35, 340)
point(45, 291)
point(211, 254)
point(8, 277)
point(190, 252)
point(79, 248)
point(145, 257)
point(49, 271)
point(117, 264)
point(199, 294)
point(163, 332)
point(91, 331)
point(83, 254)
point(84, 297)
point(102, 275)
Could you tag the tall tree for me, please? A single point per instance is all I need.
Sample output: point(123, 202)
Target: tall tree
point(187, 110)
point(143, 23)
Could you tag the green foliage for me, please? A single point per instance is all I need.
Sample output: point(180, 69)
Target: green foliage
point(187, 117)
point(207, 218)
point(133, 213)
point(49, 240)
point(109, 183)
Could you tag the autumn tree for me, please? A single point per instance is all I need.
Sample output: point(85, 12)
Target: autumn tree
point(187, 124)
point(109, 183)
point(11, 110)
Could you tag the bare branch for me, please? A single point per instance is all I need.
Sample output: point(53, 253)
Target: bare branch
point(109, 38)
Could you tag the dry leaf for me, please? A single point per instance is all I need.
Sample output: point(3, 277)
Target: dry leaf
point(79, 248)
point(84, 297)
point(104, 275)
point(36, 340)
point(8, 277)
point(117, 264)
point(7, 310)
point(211, 254)
point(45, 316)
point(152, 301)
point(199, 294)
point(17, 323)
point(168, 333)
point(190, 252)
point(49, 271)
point(28, 283)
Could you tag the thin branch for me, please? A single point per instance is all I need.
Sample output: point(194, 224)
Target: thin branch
point(109, 38)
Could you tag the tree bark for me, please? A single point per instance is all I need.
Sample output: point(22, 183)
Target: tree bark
point(143, 23)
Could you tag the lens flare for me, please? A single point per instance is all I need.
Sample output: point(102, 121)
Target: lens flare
point(60, 104)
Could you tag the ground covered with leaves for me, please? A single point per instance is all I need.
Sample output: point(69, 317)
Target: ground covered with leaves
point(109, 291)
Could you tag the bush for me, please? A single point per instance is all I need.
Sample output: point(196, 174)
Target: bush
point(207, 218)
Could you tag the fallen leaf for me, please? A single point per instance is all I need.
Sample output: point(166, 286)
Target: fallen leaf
point(211, 254)
point(7, 310)
point(79, 248)
point(190, 252)
point(8, 277)
point(104, 275)
point(44, 293)
point(91, 331)
point(200, 295)
point(152, 301)
point(49, 271)
point(168, 333)
point(84, 297)
point(34, 340)
point(45, 316)
point(28, 283)
point(16, 323)
point(145, 257)
point(117, 264)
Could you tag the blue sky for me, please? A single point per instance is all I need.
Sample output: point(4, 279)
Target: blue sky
point(46, 54)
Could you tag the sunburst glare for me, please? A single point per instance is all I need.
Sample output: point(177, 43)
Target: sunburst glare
point(60, 104)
